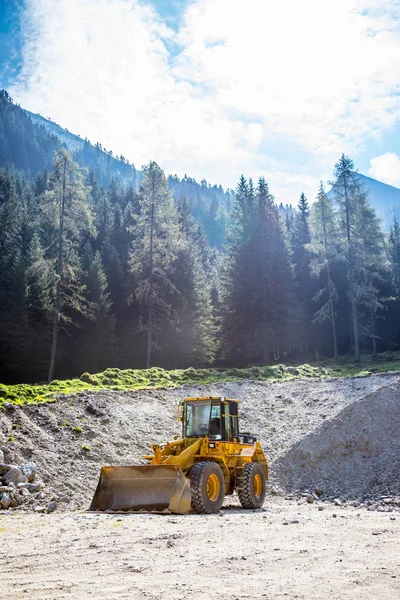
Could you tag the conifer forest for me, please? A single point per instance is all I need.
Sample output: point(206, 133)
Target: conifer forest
point(103, 265)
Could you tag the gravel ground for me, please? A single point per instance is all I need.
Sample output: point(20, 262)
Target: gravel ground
point(70, 440)
point(286, 551)
point(297, 547)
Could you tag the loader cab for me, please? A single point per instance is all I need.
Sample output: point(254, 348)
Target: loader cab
point(214, 417)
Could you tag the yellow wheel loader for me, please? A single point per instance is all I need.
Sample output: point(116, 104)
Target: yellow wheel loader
point(212, 460)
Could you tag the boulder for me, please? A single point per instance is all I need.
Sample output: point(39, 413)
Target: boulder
point(15, 476)
point(29, 470)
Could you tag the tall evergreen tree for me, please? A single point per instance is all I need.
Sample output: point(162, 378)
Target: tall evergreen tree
point(195, 337)
point(260, 293)
point(154, 251)
point(361, 237)
point(323, 249)
point(67, 211)
point(305, 286)
point(97, 339)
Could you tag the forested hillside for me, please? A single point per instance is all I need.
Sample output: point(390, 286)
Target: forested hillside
point(28, 143)
point(99, 272)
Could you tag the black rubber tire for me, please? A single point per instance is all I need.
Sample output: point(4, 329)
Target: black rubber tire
point(247, 496)
point(199, 475)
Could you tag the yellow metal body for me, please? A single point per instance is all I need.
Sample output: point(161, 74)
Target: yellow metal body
point(230, 456)
point(163, 484)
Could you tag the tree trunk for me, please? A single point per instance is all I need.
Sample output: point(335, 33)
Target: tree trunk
point(373, 333)
point(59, 270)
point(355, 330)
point(331, 306)
point(150, 306)
point(351, 277)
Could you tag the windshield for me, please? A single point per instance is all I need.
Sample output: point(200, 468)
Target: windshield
point(197, 418)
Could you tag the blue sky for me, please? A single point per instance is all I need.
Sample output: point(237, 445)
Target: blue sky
point(216, 88)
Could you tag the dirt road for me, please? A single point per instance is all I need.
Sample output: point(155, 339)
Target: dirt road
point(286, 550)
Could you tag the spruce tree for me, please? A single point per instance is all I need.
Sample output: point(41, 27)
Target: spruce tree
point(361, 238)
point(154, 251)
point(305, 286)
point(195, 336)
point(259, 301)
point(67, 214)
point(324, 249)
point(98, 340)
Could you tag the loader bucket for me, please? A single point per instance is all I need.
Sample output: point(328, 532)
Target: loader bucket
point(161, 488)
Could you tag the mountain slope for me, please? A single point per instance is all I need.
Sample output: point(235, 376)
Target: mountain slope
point(384, 198)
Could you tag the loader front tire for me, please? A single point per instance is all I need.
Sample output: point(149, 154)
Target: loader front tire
point(252, 487)
point(207, 486)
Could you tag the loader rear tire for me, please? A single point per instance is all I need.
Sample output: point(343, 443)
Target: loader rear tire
point(207, 485)
point(252, 492)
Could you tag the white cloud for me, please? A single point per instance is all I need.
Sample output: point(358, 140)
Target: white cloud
point(317, 77)
point(386, 168)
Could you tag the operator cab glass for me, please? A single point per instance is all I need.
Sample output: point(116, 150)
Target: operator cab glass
point(215, 418)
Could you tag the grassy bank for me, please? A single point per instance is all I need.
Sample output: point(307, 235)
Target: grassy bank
point(132, 379)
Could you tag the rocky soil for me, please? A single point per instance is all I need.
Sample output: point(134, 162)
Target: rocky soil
point(287, 551)
point(306, 427)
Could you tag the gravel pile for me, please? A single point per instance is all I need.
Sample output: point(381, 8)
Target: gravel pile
point(71, 439)
point(356, 454)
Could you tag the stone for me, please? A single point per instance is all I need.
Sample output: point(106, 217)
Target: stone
point(4, 468)
point(63, 498)
point(321, 507)
point(35, 487)
point(14, 476)
point(337, 502)
point(15, 501)
point(1, 456)
point(23, 492)
point(5, 500)
point(22, 486)
point(41, 509)
point(274, 491)
point(29, 470)
point(6, 488)
point(318, 491)
point(51, 507)
point(310, 498)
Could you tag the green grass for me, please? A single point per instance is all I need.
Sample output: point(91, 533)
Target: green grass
point(133, 379)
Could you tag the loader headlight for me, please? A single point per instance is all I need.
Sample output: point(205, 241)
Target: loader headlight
point(211, 445)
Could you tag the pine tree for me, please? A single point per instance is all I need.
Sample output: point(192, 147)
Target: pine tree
point(66, 208)
point(361, 237)
point(259, 299)
point(394, 255)
point(323, 249)
point(98, 344)
point(305, 287)
point(154, 251)
point(195, 336)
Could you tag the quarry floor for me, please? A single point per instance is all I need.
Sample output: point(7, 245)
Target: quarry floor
point(285, 550)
